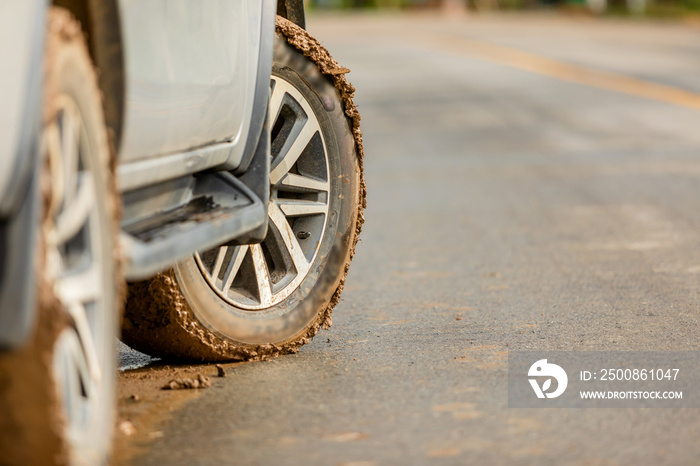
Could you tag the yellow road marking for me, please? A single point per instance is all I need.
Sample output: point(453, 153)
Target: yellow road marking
point(564, 71)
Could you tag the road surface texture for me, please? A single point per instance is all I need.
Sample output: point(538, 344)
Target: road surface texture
point(534, 183)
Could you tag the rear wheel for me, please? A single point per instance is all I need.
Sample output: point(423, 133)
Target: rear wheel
point(251, 301)
point(58, 391)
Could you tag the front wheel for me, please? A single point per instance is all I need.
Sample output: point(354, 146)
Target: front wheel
point(253, 301)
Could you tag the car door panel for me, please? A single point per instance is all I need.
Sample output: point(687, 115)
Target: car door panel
point(191, 69)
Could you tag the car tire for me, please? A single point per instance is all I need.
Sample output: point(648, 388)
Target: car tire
point(214, 305)
point(57, 392)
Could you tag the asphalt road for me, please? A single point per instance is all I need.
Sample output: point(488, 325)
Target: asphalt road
point(534, 183)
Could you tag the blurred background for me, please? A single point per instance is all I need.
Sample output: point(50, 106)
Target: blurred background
point(657, 8)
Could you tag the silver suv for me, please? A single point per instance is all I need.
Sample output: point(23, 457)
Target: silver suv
point(196, 164)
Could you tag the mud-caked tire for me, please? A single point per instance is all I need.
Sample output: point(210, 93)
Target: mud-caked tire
point(258, 301)
point(57, 390)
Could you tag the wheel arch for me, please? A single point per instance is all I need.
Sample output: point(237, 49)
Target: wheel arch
point(100, 21)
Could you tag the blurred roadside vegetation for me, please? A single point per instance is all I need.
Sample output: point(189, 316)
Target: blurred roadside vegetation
point(653, 8)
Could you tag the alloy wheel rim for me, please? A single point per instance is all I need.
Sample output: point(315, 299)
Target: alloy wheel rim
point(74, 255)
point(258, 276)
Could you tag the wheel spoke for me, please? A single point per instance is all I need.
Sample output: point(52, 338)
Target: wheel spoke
point(302, 184)
point(81, 287)
point(299, 208)
point(54, 149)
point(73, 369)
point(288, 238)
point(234, 267)
point(70, 140)
point(76, 369)
point(220, 255)
point(75, 214)
point(276, 99)
point(288, 159)
point(262, 274)
point(82, 327)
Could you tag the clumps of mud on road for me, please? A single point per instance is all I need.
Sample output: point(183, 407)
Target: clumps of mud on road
point(201, 381)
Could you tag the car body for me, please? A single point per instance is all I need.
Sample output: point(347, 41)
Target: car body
point(185, 97)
